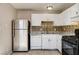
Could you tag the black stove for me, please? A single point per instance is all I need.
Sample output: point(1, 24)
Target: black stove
point(70, 45)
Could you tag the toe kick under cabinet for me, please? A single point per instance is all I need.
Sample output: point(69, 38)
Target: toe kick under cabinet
point(46, 41)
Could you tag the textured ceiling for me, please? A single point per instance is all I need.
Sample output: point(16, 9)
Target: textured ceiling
point(41, 7)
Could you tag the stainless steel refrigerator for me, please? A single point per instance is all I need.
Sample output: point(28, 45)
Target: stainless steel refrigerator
point(20, 35)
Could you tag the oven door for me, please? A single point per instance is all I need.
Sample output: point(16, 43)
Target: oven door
point(69, 48)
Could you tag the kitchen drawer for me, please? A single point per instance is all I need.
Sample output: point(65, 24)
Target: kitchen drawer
point(35, 41)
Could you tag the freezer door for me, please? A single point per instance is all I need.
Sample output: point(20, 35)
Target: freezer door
point(20, 42)
point(21, 24)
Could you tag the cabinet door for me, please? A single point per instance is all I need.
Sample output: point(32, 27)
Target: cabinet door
point(59, 43)
point(49, 41)
point(45, 43)
point(52, 41)
point(36, 20)
point(36, 42)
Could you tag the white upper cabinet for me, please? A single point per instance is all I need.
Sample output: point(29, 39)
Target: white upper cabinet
point(37, 18)
point(65, 18)
point(71, 14)
point(75, 10)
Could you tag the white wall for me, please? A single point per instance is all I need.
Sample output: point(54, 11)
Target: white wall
point(24, 14)
point(67, 15)
point(7, 14)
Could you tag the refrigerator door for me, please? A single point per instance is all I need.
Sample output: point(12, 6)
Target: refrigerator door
point(21, 24)
point(20, 40)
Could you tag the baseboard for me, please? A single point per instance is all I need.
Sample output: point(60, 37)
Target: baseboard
point(46, 49)
point(9, 52)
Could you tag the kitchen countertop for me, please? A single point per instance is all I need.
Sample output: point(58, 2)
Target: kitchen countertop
point(39, 32)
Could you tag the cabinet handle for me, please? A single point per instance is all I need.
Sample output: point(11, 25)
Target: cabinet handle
point(49, 40)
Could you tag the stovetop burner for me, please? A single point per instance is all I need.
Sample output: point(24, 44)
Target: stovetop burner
point(71, 39)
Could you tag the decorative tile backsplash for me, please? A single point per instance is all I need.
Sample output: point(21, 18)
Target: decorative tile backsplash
point(47, 27)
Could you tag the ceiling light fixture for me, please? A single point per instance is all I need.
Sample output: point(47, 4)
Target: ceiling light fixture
point(49, 7)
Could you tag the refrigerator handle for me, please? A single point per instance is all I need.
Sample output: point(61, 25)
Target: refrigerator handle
point(13, 28)
point(14, 34)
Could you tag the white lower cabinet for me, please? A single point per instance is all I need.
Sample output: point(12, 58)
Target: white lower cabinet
point(48, 41)
point(59, 43)
point(52, 42)
point(45, 43)
point(35, 42)
point(35, 47)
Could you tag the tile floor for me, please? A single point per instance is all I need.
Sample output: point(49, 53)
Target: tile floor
point(38, 52)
